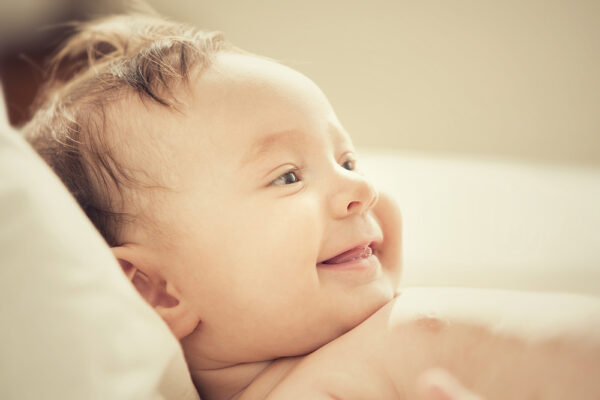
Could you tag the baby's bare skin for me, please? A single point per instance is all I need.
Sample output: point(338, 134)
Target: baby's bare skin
point(500, 344)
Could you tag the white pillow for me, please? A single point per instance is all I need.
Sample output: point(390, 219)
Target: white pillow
point(72, 325)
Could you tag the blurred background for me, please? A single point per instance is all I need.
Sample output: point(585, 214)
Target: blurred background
point(514, 79)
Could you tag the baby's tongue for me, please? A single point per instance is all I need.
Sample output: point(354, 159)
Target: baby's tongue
point(352, 254)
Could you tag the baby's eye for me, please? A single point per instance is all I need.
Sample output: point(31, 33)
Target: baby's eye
point(350, 165)
point(287, 179)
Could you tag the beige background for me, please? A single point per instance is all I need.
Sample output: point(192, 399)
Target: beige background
point(509, 79)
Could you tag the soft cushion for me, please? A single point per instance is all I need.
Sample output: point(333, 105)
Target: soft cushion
point(73, 327)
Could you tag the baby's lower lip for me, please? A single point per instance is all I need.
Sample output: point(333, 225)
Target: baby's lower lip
point(354, 254)
point(354, 272)
point(363, 261)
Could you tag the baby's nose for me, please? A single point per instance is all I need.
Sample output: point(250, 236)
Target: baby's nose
point(354, 195)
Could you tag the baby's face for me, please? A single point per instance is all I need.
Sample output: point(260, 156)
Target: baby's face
point(270, 225)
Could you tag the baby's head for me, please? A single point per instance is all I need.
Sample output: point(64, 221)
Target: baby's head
point(225, 185)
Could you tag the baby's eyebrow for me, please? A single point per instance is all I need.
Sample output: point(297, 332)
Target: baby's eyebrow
point(272, 141)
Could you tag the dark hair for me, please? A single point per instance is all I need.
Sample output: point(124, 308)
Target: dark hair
point(107, 60)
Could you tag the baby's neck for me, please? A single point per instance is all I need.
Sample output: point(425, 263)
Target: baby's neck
point(246, 381)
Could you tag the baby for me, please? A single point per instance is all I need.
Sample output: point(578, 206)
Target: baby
point(233, 199)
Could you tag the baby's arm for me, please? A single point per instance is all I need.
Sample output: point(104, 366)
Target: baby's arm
point(499, 344)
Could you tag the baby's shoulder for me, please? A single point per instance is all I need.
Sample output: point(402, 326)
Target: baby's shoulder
point(349, 367)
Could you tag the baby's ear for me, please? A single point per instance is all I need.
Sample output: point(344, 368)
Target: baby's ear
point(150, 282)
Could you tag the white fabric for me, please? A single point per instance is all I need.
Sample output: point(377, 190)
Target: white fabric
point(494, 223)
point(72, 326)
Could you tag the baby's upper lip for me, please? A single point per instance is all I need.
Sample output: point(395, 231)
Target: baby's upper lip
point(373, 243)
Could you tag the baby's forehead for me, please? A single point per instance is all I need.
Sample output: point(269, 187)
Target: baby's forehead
point(246, 97)
point(247, 84)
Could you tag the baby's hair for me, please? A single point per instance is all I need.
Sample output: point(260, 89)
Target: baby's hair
point(105, 61)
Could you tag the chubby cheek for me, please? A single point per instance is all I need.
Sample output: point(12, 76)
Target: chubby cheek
point(269, 257)
point(290, 230)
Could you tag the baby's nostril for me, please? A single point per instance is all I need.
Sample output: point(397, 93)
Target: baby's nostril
point(353, 205)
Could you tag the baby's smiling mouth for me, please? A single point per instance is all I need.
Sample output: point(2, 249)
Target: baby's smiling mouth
point(355, 253)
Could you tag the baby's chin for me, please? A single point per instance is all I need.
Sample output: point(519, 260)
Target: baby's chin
point(383, 297)
point(347, 320)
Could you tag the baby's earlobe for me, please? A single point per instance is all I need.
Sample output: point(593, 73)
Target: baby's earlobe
point(181, 319)
point(162, 297)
